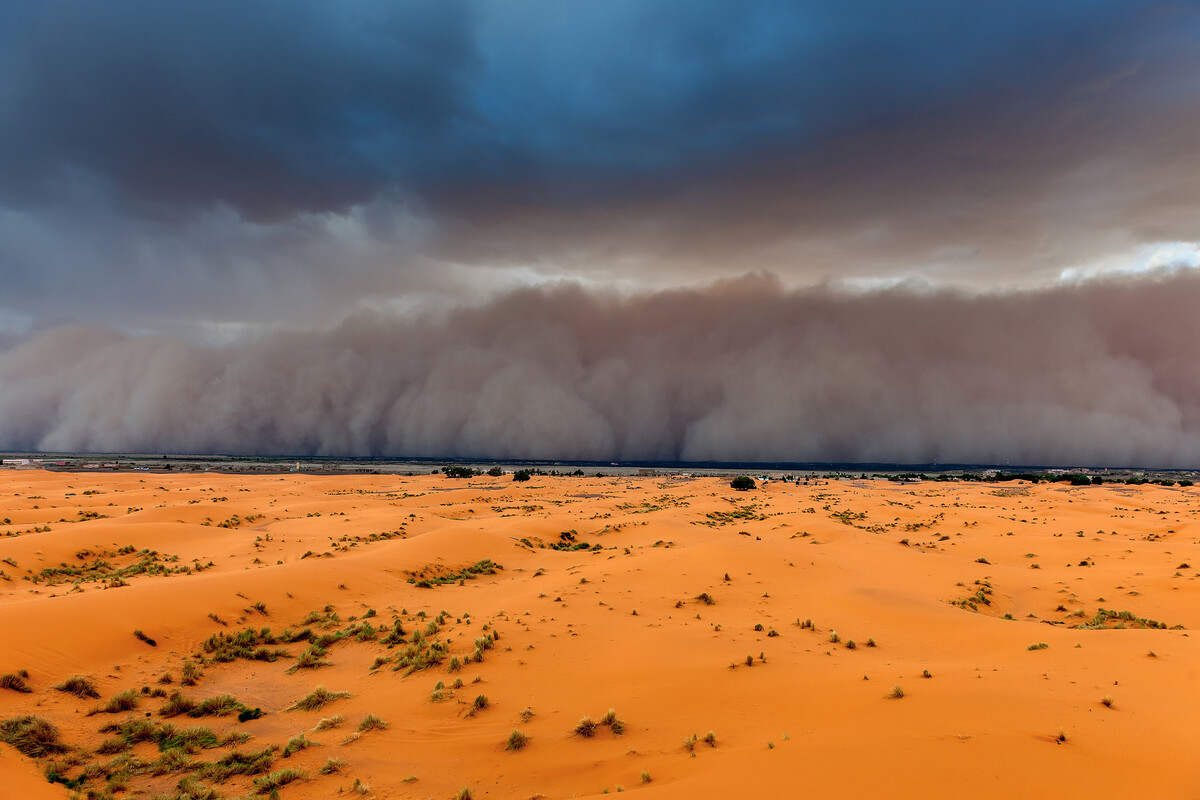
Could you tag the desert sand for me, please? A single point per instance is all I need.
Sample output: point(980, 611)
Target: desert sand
point(781, 620)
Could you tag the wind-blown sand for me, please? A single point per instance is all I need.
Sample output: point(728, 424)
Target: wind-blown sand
point(616, 623)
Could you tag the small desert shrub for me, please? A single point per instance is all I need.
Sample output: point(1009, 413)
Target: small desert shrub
point(189, 740)
point(615, 724)
point(516, 741)
point(316, 700)
point(177, 704)
point(526, 714)
point(850, 645)
point(871, 643)
point(310, 658)
point(742, 483)
point(481, 702)
point(331, 766)
point(926, 673)
point(79, 685)
point(247, 714)
point(689, 743)
point(646, 777)
point(238, 763)
point(706, 598)
point(897, 692)
point(329, 722)
point(586, 728)
point(834, 638)
point(465, 793)
point(296, 744)
point(189, 674)
point(32, 736)
point(220, 706)
point(143, 637)
point(277, 779)
point(16, 682)
point(1107, 701)
point(1037, 646)
point(370, 723)
point(125, 701)
point(1061, 737)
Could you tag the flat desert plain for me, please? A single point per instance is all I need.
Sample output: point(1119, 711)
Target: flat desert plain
point(385, 636)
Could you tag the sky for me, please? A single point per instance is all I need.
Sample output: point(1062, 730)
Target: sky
point(352, 228)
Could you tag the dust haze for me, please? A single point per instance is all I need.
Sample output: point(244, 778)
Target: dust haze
point(1096, 373)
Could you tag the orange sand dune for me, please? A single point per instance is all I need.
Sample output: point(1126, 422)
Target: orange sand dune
point(780, 620)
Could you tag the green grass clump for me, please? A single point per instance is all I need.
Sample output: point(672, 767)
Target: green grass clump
point(125, 701)
point(16, 682)
point(310, 658)
point(646, 777)
point(613, 722)
point(516, 741)
point(296, 744)
point(220, 706)
point(327, 723)
point(370, 723)
point(331, 766)
point(277, 779)
point(1037, 646)
point(316, 700)
point(239, 763)
point(32, 736)
point(188, 740)
point(80, 686)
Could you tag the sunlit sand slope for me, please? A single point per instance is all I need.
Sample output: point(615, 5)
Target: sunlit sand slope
point(841, 639)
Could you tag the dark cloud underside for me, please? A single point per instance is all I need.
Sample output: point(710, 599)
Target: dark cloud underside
point(356, 150)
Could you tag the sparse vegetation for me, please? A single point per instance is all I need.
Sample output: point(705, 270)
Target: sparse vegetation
point(316, 700)
point(586, 727)
point(80, 686)
point(16, 681)
point(516, 741)
point(32, 736)
point(125, 701)
point(371, 722)
point(296, 744)
point(897, 692)
point(278, 779)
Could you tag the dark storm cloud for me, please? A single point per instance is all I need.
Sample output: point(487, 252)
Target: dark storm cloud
point(1097, 373)
point(149, 149)
point(282, 106)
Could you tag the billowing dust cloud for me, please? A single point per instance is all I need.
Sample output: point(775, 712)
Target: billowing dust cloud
point(1091, 374)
